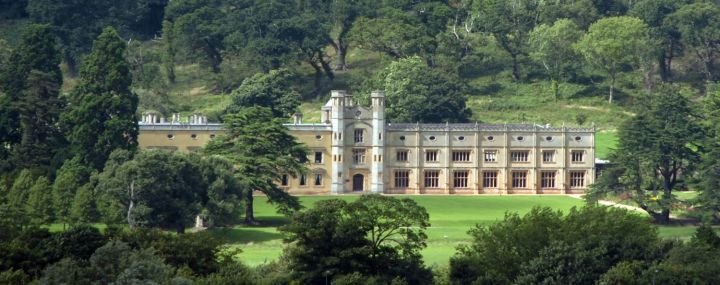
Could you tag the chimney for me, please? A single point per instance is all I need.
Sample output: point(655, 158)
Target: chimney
point(297, 118)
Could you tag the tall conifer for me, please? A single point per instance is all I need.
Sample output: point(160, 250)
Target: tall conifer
point(102, 116)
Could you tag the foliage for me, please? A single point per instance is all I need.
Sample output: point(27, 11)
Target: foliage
point(272, 90)
point(84, 208)
point(698, 24)
point(615, 44)
point(70, 177)
point(39, 202)
point(153, 189)
point(592, 238)
point(30, 105)
point(551, 46)
point(373, 236)
point(262, 151)
point(20, 190)
point(102, 114)
point(415, 92)
point(654, 148)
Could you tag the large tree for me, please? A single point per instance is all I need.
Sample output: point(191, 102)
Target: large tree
point(656, 14)
point(272, 90)
point(415, 92)
point(376, 236)
point(551, 46)
point(262, 151)
point(510, 23)
point(102, 115)
point(657, 149)
point(614, 44)
point(30, 105)
point(699, 28)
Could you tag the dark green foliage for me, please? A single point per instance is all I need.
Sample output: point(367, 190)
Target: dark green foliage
point(20, 190)
point(698, 25)
point(70, 177)
point(102, 116)
point(78, 242)
point(262, 151)
point(17, 277)
point(29, 88)
point(374, 236)
point(272, 90)
point(415, 92)
point(655, 147)
point(153, 189)
point(224, 203)
point(592, 239)
point(39, 203)
point(84, 208)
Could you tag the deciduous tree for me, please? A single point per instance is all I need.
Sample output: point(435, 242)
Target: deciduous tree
point(551, 46)
point(699, 27)
point(272, 90)
point(614, 44)
point(39, 203)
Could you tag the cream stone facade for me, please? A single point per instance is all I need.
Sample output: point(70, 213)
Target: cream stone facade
point(354, 150)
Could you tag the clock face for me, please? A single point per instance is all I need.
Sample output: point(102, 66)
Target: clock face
point(358, 113)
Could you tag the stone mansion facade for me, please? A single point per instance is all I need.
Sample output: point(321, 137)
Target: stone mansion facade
point(354, 150)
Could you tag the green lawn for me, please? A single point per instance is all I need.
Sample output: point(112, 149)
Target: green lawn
point(605, 141)
point(450, 217)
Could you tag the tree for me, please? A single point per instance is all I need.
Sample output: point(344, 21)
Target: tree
point(656, 14)
point(262, 151)
point(344, 13)
point(272, 90)
point(577, 247)
point(415, 92)
point(70, 177)
point(39, 204)
point(197, 31)
point(614, 44)
point(656, 149)
point(20, 190)
point(551, 46)
point(374, 236)
point(708, 174)
point(224, 204)
point(510, 23)
point(30, 107)
point(102, 114)
point(152, 189)
point(84, 209)
point(698, 25)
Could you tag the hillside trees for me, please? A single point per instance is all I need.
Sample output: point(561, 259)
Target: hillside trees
point(102, 116)
point(415, 92)
point(551, 46)
point(615, 44)
point(272, 90)
point(699, 26)
point(262, 151)
point(71, 176)
point(31, 105)
point(655, 148)
point(656, 14)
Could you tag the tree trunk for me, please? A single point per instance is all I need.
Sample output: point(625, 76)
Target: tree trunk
point(555, 86)
point(661, 218)
point(515, 68)
point(612, 88)
point(130, 221)
point(341, 54)
point(249, 216)
point(318, 78)
point(72, 65)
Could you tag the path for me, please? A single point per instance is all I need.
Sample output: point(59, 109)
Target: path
point(618, 205)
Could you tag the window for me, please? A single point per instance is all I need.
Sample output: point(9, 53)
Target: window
point(402, 155)
point(520, 138)
point(318, 157)
point(170, 136)
point(432, 138)
point(577, 179)
point(358, 156)
point(490, 138)
point(318, 179)
point(548, 179)
point(431, 155)
point(402, 138)
point(402, 178)
point(548, 156)
point(359, 135)
point(577, 156)
point(460, 179)
point(284, 180)
point(578, 138)
point(318, 137)
point(490, 155)
point(490, 179)
point(461, 138)
point(461, 155)
point(432, 178)
point(303, 179)
point(519, 156)
point(193, 136)
point(519, 179)
point(548, 138)
point(212, 136)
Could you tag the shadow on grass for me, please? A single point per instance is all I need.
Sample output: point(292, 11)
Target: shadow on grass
point(245, 234)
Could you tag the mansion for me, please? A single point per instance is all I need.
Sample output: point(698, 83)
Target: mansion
point(354, 150)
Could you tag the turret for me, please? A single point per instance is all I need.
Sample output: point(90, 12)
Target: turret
point(337, 120)
point(378, 142)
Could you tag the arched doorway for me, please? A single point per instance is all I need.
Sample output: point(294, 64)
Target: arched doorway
point(358, 182)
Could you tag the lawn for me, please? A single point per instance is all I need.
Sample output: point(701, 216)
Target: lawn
point(450, 217)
